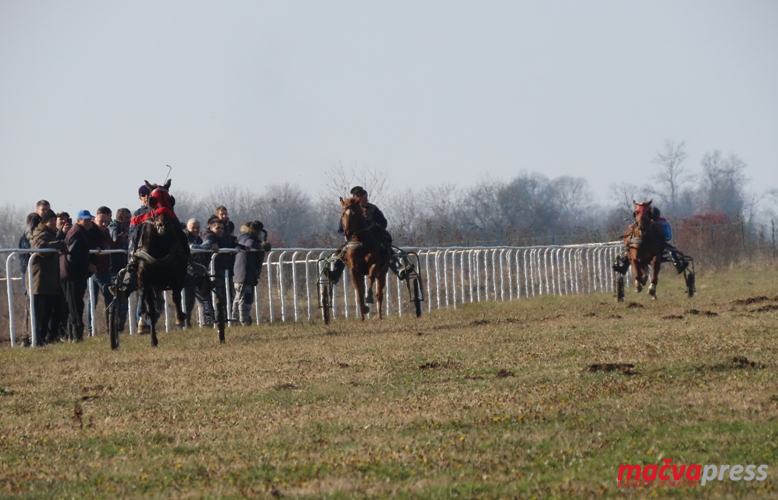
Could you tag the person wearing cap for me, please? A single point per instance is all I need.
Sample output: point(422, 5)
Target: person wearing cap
point(247, 269)
point(45, 279)
point(373, 217)
point(75, 269)
point(143, 195)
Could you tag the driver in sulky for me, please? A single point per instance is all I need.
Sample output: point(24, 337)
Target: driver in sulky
point(377, 221)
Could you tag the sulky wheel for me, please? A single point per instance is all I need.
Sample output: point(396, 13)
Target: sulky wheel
point(113, 324)
point(619, 288)
point(416, 287)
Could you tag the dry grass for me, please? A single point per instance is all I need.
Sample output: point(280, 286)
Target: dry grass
point(490, 400)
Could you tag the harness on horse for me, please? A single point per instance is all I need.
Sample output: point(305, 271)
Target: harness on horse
point(634, 240)
point(175, 250)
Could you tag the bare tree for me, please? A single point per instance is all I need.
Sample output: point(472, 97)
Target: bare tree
point(623, 193)
point(287, 213)
point(672, 173)
point(339, 180)
point(722, 186)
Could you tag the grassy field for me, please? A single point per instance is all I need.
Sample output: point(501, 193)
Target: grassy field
point(489, 400)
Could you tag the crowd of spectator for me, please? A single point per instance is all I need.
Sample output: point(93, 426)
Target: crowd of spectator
point(60, 280)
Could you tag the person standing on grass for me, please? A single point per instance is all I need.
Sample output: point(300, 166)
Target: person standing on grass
point(75, 268)
point(45, 279)
point(101, 240)
point(193, 292)
point(248, 265)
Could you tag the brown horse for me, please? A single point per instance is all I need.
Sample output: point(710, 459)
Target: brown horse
point(364, 254)
point(645, 241)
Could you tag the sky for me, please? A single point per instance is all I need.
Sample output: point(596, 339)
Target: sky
point(96, 96)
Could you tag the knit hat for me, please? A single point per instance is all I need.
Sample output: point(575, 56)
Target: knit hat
point(48, 215)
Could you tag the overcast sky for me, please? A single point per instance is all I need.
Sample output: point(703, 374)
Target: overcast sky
point(96, 96)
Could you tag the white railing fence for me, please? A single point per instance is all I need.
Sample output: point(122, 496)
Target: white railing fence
point(451, 276)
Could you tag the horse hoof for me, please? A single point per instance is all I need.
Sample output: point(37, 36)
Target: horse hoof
point(369, 299)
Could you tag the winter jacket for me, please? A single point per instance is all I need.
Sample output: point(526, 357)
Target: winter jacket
point(115, 229)
point(75, 265)
point(196, 243)
point(224, 261)
point(373, 215)
point(248, 264)
point(45, 266)
point(102, 239)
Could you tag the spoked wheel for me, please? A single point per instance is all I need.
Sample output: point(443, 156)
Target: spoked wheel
point(113, 323)
point(417, 296)
point(689, 283)
point(619, 285)
point(325, 294)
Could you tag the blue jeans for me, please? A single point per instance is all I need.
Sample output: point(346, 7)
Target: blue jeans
point(100, 280)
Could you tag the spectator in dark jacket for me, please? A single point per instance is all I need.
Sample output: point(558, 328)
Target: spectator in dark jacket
point(64, 223)
point(75, 268)
point(101, 240)
point(193, 292)
point(248, 266)
point(45, 279)
point(213, 237)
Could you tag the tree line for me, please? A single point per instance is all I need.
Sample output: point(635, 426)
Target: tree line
point(530, 209)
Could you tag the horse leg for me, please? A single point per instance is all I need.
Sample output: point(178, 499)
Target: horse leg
point(359, 285)
point(369, 292)
point(149, 297)
point(379, 293)
point(654, 277)
point(180, 314)
point(638, 275)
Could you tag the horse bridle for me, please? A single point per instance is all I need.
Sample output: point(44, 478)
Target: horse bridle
point(349, 234)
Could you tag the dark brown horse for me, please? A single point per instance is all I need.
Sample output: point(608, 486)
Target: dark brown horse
point(364, 254)
point(162, 260)
point(645, 241)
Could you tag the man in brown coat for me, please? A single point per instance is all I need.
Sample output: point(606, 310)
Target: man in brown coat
point(45, 279)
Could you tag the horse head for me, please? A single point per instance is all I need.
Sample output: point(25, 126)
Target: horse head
point(163, 216)
point(352, 216)
point(160, 197)
point(643, 213)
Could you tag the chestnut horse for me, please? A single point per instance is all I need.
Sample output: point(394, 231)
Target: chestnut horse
point(645, 242)
point(364, 254)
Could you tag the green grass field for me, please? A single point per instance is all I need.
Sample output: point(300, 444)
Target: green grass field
point(489, 400)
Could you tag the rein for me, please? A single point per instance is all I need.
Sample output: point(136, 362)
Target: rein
point(142, 254)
